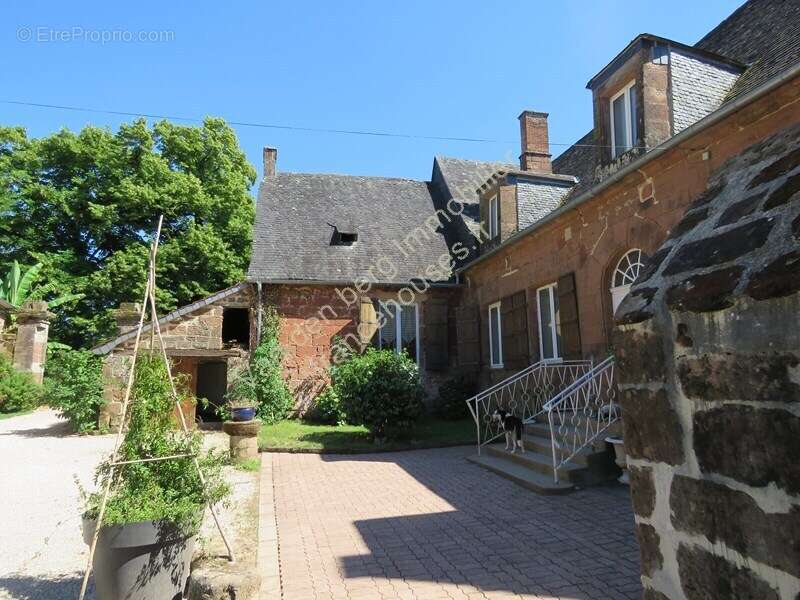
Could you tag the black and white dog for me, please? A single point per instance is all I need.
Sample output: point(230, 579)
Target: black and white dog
point(512, 427)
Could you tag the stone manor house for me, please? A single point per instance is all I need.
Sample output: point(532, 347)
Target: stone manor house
point(679, 212)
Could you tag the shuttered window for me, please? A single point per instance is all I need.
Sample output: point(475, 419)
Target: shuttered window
point(495, 336)
point(398, 327)
point(468, 336)
point(515, 331)
point(570, 321)
point(435, 343)
point(368, 323)
point(549, 322)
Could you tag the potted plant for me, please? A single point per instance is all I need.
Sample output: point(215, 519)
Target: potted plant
point(154, 509)
point(242, 410)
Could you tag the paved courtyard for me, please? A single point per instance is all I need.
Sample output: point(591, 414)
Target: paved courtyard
point(427, 524)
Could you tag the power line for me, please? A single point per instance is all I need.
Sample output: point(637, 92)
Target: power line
point(260, 125)
point(386, 134)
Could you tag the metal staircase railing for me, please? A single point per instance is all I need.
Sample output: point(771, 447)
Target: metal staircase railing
point(580, 412)
point(524, 394)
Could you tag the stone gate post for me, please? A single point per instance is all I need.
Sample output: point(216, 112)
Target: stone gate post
point(30, 348)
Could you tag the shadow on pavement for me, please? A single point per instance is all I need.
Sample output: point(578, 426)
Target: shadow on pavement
point(501, 537)
point(58, 429)
point(25, 587)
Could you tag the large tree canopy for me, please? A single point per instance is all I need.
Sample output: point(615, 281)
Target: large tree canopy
point(85, 206)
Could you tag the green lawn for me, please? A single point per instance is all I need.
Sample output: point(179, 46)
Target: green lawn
point(295, 435)
point(14, 414)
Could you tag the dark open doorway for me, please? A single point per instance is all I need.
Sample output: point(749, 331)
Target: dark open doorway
point(236, 327)
point(212, 382)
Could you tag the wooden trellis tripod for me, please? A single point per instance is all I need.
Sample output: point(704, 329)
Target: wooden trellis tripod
point(155, 331)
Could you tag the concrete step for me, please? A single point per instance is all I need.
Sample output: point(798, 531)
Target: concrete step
point(521, 475)
point(542, 446)
point(536, 461)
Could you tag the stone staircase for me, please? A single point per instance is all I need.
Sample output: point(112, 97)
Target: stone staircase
point(534, 469)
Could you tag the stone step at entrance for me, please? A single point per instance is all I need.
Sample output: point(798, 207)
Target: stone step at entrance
point(593, 465)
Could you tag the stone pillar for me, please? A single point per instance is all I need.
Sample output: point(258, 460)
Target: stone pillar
point(708, 365)
point(243, 438)
point(127, 316)
point(115, 376)
point(6, 339)
point(30, 348)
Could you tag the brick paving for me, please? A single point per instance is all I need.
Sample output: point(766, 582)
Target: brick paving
point(429, 525)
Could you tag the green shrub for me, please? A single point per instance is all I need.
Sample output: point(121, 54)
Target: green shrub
point(168, 489)
point(381, 390)
point(18, 391)
point(262, 382)
point(73, 385)
point(453, 395)
point(328, 407)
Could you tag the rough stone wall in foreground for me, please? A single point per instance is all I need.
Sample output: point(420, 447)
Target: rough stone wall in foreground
point(708, 347)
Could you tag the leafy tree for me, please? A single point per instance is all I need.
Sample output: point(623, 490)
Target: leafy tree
point(85, 204)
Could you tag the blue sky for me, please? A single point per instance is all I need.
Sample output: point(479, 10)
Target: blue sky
point(438, 68)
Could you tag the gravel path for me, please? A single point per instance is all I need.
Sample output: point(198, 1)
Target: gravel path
point(42, 554)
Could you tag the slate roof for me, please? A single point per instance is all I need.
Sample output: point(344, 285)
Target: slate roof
point(292, 233)
point(108, 346)
point(762, 34)
point(464, 177)
point(578, 160)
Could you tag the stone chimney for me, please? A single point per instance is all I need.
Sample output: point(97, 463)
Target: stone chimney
point(535, 145)
point(270, 158)
point(127, 316)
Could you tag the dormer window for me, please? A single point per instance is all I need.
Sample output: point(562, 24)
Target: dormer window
point(494, 217)
point(623, 120)
point(343, 238)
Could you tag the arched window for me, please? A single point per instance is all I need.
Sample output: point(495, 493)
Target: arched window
point(625, 273)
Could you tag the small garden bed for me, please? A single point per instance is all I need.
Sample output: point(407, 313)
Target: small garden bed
point(303, 436)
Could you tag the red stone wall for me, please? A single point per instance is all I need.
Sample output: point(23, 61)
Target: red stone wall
point(638, 212)
point(313, 315)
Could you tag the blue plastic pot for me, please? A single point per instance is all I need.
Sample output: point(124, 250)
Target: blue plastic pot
point(245, 413)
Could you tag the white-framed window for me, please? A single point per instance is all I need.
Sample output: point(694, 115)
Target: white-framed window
point(495, 336)
point(625, 273)
point(623, 113)
point(398, 327)
point(494, 217)
point(549, 324)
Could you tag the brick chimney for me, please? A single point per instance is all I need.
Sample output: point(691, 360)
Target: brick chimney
point(535, 145)
point(270, 158)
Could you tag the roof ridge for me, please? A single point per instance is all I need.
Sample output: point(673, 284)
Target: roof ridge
point(350, 176)
point(723, 22)
point(472, 160)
